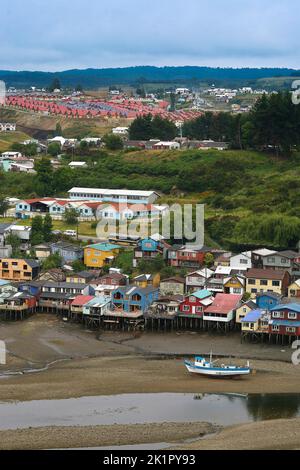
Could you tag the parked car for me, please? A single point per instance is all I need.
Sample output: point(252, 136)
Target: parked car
point(56, 232)
point(70, 233)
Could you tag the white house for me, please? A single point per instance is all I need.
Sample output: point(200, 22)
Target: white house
point(242, 261)
point(8, 155)
point(8, 127)
point(114, 195)
point(77, 164)
point(167, 146)
point(120, 130)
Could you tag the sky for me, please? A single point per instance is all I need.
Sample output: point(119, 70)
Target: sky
point(57, 35)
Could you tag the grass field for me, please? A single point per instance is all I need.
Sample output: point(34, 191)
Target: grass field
point(8, 138)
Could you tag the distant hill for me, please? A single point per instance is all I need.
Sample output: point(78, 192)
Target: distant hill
point(94, 78)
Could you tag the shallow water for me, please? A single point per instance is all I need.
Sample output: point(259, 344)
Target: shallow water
point(222, 409)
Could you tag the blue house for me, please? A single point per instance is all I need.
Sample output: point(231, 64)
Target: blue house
point(149, 248)
point(68, 252)
point(32, 288)
point(267, 300)
point(134, 299)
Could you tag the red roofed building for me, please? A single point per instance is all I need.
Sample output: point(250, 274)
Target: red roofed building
point(221, 313)
point(76, 308)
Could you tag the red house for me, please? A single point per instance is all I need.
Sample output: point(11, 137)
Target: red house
point(285, 320)
point(185, 257)
point(195, 304)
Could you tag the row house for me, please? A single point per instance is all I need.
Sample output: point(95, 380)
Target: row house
point(17, 305)
point(12, 269)
point(147, 280)
point(106, 284)
point(243, 310)
point(285, 320)
point(294, 289)
point(185, 257)
point(268, 300)
point(100, 254)
point(55, 302)
point(198, 279)
point(241, 262)
point(267, 280)
point(94, 310)
point(133, 298)
point(67, 251)
point(76, 306)
point(196, 303)
point(221, 313)
point(234, 285)
point(163, 312)
point(284, 260)
point(172, 286)
point(149, 249)
point(83, 277)
point(69, 288)
point(255, 322)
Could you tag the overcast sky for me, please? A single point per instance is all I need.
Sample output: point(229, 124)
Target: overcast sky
point(63, 34)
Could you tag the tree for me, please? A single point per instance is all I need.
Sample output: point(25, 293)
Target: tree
point(44, 177)
point(149, 127)
point(37, 230)
point(71, 217)
point(15, 242)
point(208, 260)
point(172, 102)
point(47, 228)
point(58, 130)
point(55, 85)
point(78, 266)
point(53, 261)
point(113, 142)
point(54, 149)
point(4, 206)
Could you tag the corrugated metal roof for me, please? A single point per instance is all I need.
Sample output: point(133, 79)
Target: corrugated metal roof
point(253, 316)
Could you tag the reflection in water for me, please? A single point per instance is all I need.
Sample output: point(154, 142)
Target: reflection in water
point(271, 406)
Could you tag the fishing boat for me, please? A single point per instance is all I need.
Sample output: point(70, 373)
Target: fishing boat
point(210, 368)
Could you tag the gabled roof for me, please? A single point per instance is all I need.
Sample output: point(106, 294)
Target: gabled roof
point(81, 300)
point(265, 274)
point(264, 252)
point(249, 304)
point(178, 280)
point(293, 306)
point(131, 290)
point(201, 294)
point(289, 254)
point(103, 246)
point(224, 303)
point(253, 316)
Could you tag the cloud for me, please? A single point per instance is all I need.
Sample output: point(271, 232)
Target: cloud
point(61, 34)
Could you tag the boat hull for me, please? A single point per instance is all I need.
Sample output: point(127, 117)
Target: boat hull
point(217, 372)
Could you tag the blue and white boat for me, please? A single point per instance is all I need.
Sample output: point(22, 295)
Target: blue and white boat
point(203, 367)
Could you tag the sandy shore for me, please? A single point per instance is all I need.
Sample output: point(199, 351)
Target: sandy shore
point(102, 436)
point(117, 375)
point(77, 363)
point(281, 434)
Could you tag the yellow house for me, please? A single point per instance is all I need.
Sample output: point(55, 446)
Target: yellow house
point(244, 309)
point(267, 280)
point(147, 280)
point(19, 269)
point(294, 289)
point(234, 285)
point(100, 254)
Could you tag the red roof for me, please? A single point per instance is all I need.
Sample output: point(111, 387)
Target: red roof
point(82, 300)
point(224, 303)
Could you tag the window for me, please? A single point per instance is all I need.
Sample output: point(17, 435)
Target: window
point(290, 329)
point(193, 299)
point(243, 261)
point(275, 327)
point(276, 283)
point(254, 291)
point(198, 309)
point(271, 260)
point(278, 315)
point(251, 282)
point(263, 282)
point(292, 316)
point(237, 291)
point(284, 260)
point(292, 293)
point(186, 308)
